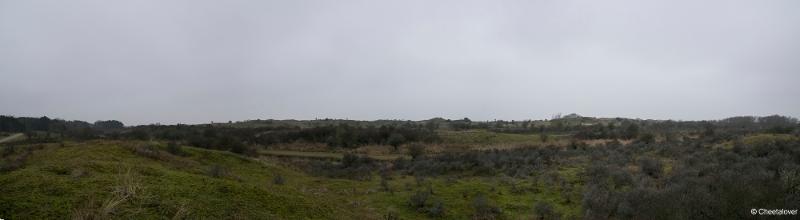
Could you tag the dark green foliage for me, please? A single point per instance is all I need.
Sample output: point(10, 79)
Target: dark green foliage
point(395, 140)
point(484, 209)
point(777, 121)
point(647, 138)
point(353, 160)
point(543, 137)
point(708, 129)
point(351, 167)
point(423, 202)
point(780, 130)
point(462, 124)
point(651, 167)
point(515, 162)
point(109, 125)
point(175, 149)
point(419, 200)
point(710, 182)
point(391, 215)
point(416, 150)
point(241, 140)
point(436, 209)
point(139, 134)
point(545, 211)
point(15, 163)
point(278, 180)
point(385, 184)
point(345, 135)
point(11, 124)
point(8, 150)
point(632, 131)
point(385, 176)
point(239, 148)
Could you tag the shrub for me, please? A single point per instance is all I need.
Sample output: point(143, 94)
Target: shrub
point(12, 164)
point(484, 210)
point(385, 185)
point(149, 151)
point(436, 210)
point(647, 138)
point(395, 140)
point(175, 149)
point(415, 151)
point(651, 167)
point(391, 215)
point(543, 137)
point(352, 167)
point(349, 160)
point(8, 150)
point(384, 174)
point(418, 200)
point(278, 180)
point(545, 211)
point(217, 171)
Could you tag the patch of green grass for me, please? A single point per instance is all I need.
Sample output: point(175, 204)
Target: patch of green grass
point(757, 139)
point(85, 180)
point(515, 197)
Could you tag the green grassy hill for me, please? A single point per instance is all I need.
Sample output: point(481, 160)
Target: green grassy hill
point(124, 180)
point(141, 180)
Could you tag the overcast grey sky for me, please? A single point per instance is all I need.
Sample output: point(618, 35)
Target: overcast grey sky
point(195, 61)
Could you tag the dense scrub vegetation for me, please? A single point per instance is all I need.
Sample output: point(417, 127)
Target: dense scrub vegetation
point(223, 137)
point(689, 180)
point(595, 169)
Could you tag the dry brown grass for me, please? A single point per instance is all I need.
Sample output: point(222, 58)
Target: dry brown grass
point(127, 187)
point(301, 146)
point(181, 213)
point(377, 149)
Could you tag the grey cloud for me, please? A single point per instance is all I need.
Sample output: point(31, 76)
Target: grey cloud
point(197, 61)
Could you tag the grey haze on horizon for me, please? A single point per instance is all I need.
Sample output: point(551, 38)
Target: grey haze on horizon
point(195, 61)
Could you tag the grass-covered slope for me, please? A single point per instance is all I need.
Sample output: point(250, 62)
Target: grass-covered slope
point(134, 180)
point(141, 180)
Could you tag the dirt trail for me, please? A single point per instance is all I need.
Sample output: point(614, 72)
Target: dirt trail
point(10, 138)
